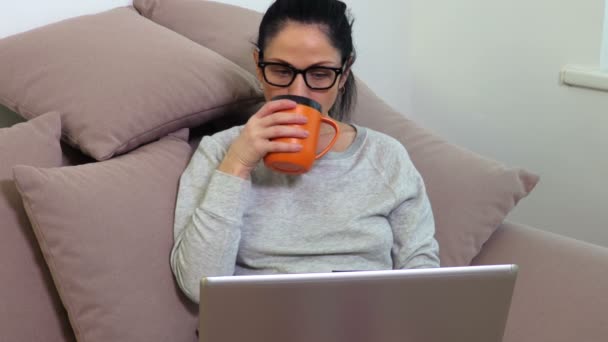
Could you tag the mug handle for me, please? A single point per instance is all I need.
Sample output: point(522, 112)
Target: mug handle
point(333, 124)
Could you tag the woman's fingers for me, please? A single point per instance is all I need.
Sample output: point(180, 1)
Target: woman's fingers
point(279, 125)
point(282, 118)
point(284, 131)
point(259, 135)
point(277, 146)
point(275, 106)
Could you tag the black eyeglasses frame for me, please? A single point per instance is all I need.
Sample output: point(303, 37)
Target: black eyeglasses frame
point(338, 71)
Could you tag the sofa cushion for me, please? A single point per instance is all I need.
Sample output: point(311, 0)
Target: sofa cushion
point(106, 232)
point(471, 195)
point(118, 79)
point(30, 309)
point(560, 294)
point(210, 24)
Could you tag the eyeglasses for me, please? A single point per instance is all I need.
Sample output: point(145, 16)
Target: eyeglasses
point(315, 77)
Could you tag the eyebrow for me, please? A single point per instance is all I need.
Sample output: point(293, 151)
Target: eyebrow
point(322, 63)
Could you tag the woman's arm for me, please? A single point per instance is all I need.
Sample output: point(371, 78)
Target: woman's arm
point(413, 225)
point(208, 219)
point(213, 193)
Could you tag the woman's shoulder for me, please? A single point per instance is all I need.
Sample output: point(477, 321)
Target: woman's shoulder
point(387, 154)
point(392, 160)
point(383, 145)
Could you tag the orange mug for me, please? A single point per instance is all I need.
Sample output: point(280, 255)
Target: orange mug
point(302, 161)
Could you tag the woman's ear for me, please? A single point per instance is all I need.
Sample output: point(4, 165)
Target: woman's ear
point(346, 73)
point(256, 56)
point(344, 78)
point(256, 60)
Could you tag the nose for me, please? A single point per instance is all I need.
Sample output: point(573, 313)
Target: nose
point(298, 86)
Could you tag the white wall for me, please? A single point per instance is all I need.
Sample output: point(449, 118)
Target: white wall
point(604, 56)
point(21, 15)
point(483, 74)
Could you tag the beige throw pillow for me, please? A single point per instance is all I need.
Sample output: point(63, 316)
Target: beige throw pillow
point(119, 80)
point(106, 232)
point(30, 308)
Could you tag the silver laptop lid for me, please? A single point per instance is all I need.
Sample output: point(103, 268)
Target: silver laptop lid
point(430, 305)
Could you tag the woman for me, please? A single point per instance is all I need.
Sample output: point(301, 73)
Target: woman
point(363, 206)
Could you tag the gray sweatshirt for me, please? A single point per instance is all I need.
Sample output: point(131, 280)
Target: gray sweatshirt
point(362, 209)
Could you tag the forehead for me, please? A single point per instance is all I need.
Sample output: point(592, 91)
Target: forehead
point(301, 45)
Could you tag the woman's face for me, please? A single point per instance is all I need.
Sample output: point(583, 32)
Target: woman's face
point(302, 46)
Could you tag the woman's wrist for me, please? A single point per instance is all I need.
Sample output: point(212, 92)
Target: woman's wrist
point(233, 166)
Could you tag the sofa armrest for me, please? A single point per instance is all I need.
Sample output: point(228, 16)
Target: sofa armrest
point(561, 290)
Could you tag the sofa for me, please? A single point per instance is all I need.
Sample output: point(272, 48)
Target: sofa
point(102, 113)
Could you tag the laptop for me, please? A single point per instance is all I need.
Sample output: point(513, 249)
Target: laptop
point(423, 305)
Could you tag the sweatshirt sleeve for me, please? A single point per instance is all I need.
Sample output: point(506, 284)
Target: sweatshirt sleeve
point(208, 219)
point(412, 221)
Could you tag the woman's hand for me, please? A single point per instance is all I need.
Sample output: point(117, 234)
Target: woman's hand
point(255, 140)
